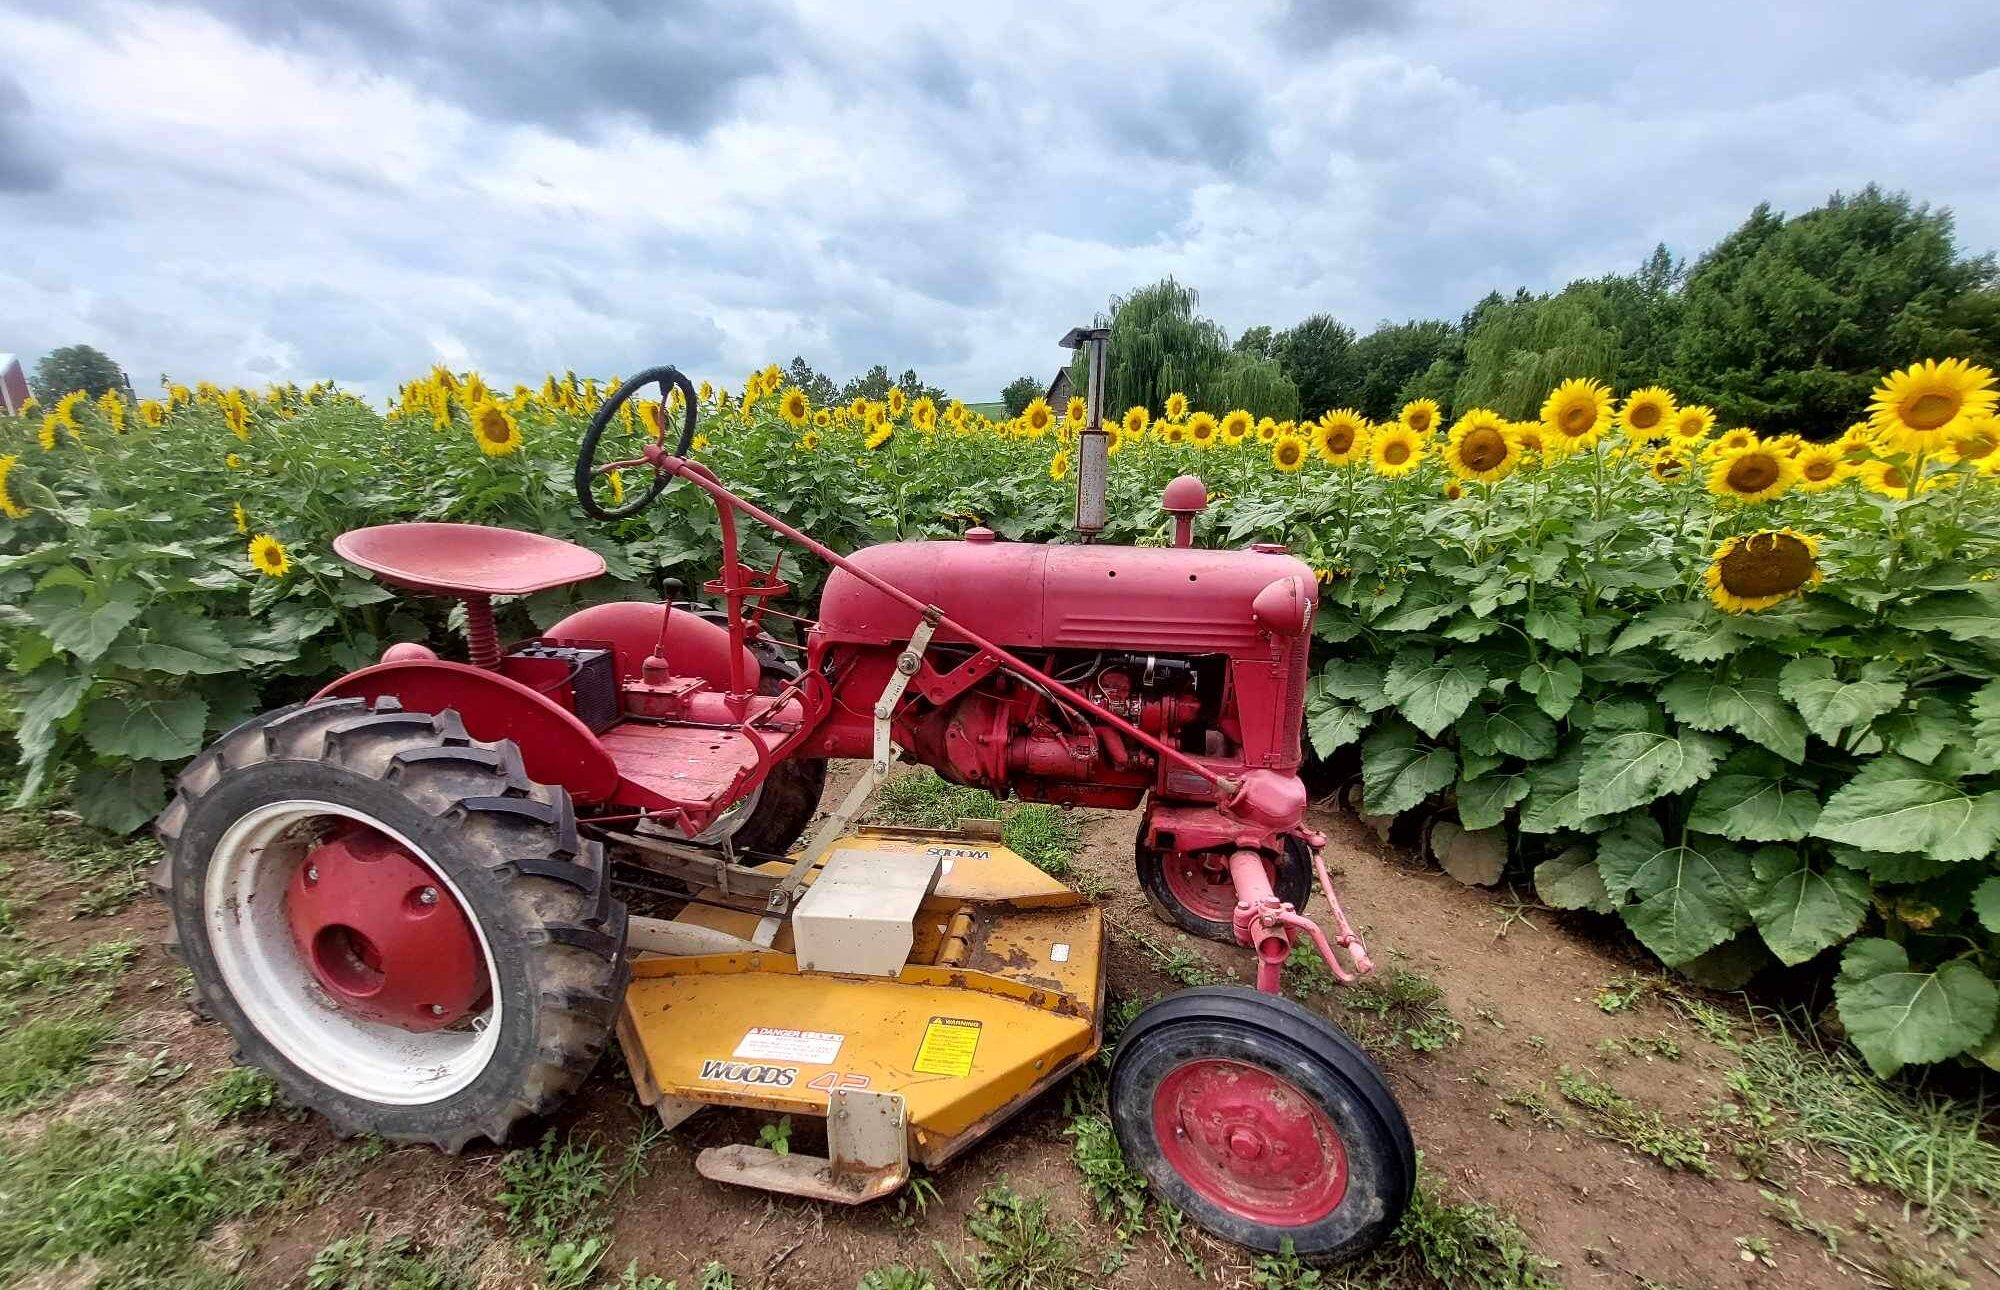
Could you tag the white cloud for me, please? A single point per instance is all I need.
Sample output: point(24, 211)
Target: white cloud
point(248, 191)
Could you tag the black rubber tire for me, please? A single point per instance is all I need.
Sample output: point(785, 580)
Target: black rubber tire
point(1271, 1032)
point(538, 892)
point(790, 797)
point(1293, 883)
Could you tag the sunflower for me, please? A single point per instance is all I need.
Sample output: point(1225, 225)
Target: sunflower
point(1135, 420)
point(152, 412)
point(66, 407)
point(1177, 406)
point(1668, 463)
point(233, 461)
point(1821, 466)
point(700, 444)
point(1059, 466)
point(1037, 417)
point(1919, 408)
point(809, 440)
point(898, 400)
point(1647, 414)
point(1419, 416)
point(1395, 450)
point(1075, 409)
point(47, 435)
point(1754, 571)
point(1752, 475)
point(1533, 442)
point(113, 409)
point(1734, 441)
point(1289, 452)
point(1267, 430)
point(1453, 490)
point(1478, 447)
point(237, 418)
point(1236, 425)
point(1342, 436)
point(793, 406)
point(923, 414)
point(617, 481)
point(494, 429)
point(1974, 443)
point(1171, 432)
point(1892, 480)
point(880, 435)
point(1202, 429)
point(1577, 412)
point(857, 406)
point(12, 509)
point(267, 556)
point(955, 413)
point(822, 418)
point(1693, 422)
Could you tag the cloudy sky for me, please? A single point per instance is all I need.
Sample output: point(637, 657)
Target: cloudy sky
point(252, 190)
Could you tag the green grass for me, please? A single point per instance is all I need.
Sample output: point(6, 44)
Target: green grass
point(1441, 1244)
point(1399, 1009)
point(95, 965)
point(1921, 1145)
point(45, 1056)
point(1047, 837)
point(1117, 1192)
point(1180, 963)
point(111, 869)
point(1611, 1115)
point(240, 1090)
point(136, 1202)
point(899, 1277)
point(367, 1262)
point(1022, 1248)
point(555, 1197)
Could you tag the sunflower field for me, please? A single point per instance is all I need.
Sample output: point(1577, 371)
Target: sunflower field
point(1737, 691)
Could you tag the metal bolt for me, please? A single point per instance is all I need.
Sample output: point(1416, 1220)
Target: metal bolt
point(428, 896)
point(437, 1010)
point(312, 873)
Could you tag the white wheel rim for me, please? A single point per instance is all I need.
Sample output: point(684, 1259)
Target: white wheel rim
point(733, 817)
point(243, 905)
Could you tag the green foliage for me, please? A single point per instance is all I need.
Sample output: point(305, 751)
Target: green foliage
point(1018, 393)
point(1022, 1248)
point(75, 367)
point(44, 1056)
point(134, 1200)
point(1788, 323)
point(1047, 837)
point(1438, 1243)
point(1610, 1114)
point(551, 1195)
point(1116, 1190)
point(899, 1277)
point(240, 1090)
point(367, 1262)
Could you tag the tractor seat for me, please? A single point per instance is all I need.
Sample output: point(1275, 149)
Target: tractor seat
point(467, 559)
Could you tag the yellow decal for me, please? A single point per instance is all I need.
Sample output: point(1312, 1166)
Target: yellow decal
point(949, 1043)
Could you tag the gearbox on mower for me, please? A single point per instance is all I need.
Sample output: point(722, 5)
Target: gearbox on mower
point(399, 896)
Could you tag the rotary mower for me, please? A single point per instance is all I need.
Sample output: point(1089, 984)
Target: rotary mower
point(399, 896)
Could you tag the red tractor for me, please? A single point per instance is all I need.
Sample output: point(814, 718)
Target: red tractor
point(398, 896)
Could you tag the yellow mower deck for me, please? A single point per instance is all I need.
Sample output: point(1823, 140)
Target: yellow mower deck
point(999, 998)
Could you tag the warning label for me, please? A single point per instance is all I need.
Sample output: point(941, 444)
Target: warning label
point(949, 1043)
point(768, 1043)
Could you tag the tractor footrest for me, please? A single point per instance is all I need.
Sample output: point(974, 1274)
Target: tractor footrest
point(867, 1136)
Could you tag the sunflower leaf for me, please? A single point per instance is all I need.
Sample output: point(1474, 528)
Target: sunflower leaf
point(1634, 767)
point(120, 798)
point(1554, 684)
point(1397, 774)
point(1971, 615)
point(1986, 728)
point(1799, 910)
point(1896, 804)
point(1986, 903)
point(1332, 724)
point(1355, 680)
point(1830, 705)
point(1751, 800)
point(1681, 901)
point(1555, 801)
point(146, 727)
point(1571, 881)
point(1897, 1014)
point(1483, 802)
point(1747, 701)
point(1557, 620)
point(1432, 692)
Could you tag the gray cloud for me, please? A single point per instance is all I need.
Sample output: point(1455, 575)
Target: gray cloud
point(25, 165)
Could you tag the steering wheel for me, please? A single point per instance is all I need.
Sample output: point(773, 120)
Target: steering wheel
point(666, 378)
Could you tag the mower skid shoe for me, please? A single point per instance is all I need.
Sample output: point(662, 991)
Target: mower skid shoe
point(866, 1136)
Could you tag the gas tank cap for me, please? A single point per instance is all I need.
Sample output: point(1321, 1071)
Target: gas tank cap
point(1261, 548)
point(979, 533)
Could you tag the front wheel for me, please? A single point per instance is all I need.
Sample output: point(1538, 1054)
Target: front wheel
point(392, 920)
point(1262, 1122)
point(1193, 891)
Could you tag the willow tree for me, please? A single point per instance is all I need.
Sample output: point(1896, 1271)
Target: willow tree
point(1158, 345)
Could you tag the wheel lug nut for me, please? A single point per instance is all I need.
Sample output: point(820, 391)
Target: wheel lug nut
point(312, 873)
point(437, 1010)
point(428, 896)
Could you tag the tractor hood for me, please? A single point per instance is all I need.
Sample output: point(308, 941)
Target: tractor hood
point(1029, 595)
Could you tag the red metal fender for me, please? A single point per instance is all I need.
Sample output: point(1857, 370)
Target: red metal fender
point(555, 747)
point(695, 646)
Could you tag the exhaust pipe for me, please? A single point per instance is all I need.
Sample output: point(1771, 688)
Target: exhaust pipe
point(1093, 446)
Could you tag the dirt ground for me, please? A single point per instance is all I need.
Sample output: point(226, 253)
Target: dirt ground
point(1522, 982)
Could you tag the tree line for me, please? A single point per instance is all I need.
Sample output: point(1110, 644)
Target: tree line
point(1785, 325)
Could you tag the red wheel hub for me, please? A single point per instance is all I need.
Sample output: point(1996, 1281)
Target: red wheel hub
point(1250, 1141)
point(382, 934)
point(1200, 882)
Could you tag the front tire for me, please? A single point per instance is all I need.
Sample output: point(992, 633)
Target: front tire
point(457, 967)
point(1195, 894)
point(1263, 1123)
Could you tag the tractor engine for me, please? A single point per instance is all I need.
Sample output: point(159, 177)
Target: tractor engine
point(1204, 649)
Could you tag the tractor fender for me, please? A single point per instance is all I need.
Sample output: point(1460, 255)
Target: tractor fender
point(556, 748)
point(695, 646)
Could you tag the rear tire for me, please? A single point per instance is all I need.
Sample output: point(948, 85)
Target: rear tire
point(1263, 1123)
point(505, 850)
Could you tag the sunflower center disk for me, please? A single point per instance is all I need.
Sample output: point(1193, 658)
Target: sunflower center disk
point(383, 937)
point(1752, 473)
point(1576, 418)
point(1772, 564)
point(1930, 410)
point(1483, 448)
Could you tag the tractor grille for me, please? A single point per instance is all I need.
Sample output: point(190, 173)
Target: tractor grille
point(1293, 717)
